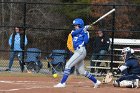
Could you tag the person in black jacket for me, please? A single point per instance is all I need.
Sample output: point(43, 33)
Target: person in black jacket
point(100, 47)
point(16, 43)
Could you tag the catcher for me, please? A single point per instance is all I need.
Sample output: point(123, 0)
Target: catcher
point(130, 70)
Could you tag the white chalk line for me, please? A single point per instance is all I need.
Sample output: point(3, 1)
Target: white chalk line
point(24, 88)
point(19, 82)
point(32, 83)
point(23, 82)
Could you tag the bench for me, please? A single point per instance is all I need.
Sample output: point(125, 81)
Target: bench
point(104, 67)
point(121, 43)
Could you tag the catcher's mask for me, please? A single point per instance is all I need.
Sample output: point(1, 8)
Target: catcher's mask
point(127, 52)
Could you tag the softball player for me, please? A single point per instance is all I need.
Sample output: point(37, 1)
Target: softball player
point(130, 69)
point(80, 37)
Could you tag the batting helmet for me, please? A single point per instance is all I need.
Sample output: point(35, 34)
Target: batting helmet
point(78, 21)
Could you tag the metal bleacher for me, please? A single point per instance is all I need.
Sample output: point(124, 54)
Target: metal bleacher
point(134, 43)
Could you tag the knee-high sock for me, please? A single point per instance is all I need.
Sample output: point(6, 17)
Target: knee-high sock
point(65, 75)
point(90, 76)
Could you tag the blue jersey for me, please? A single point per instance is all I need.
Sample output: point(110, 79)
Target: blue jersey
point(80, 38)
point(133, 66)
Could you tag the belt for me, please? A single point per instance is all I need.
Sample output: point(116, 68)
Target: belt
point(79, 47)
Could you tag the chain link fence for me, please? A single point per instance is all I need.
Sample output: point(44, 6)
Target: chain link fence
point(47, 26)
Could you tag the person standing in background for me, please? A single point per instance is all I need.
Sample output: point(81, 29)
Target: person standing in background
point(16, 45)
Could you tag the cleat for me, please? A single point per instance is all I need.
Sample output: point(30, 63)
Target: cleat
point(60, 85)
point(136, 83)
point(96, 85)
point(116, 84)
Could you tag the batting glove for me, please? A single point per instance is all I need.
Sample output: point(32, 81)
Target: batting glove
point(86, 27)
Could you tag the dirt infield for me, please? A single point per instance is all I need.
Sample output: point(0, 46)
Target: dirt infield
point(44, 84)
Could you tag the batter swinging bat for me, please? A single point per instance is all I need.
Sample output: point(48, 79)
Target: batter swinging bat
point(103, 16)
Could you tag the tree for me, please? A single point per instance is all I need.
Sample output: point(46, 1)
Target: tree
point(123, 21)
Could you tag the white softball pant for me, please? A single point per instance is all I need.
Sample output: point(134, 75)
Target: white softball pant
point(77, 60)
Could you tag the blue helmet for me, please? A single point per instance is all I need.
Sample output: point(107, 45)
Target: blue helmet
point(78, 21)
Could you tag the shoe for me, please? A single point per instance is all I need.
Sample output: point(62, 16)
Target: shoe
point(137, 83)
point(116, 84)
point(96, 85)
point(7, 70)
point(60, 85)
